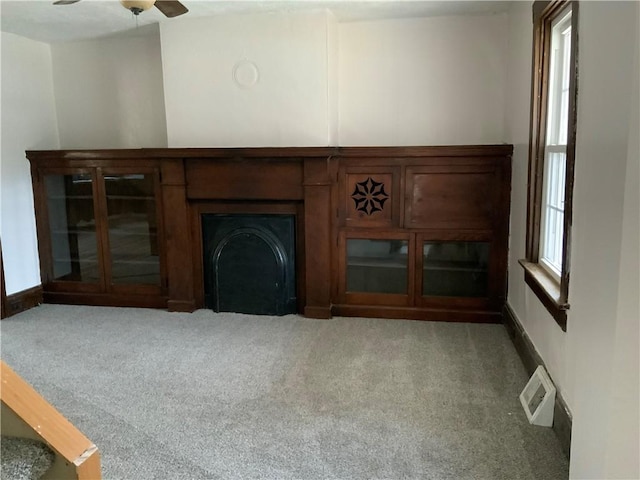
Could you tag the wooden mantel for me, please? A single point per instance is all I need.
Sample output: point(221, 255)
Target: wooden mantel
point(303, 180)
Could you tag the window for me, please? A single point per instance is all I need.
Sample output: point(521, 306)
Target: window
point(552, 154)
point(555, 154)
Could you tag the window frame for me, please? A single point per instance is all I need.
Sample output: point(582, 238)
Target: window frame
point(550, 290)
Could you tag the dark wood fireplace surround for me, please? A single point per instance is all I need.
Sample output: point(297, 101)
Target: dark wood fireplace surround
point(429, 195)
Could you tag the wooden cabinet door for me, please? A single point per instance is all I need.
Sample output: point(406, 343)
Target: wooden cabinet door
point(100, 230)
point(132, 230)
point(68, 223)
point(376, 268)
point(462, 197)
point(453, 271)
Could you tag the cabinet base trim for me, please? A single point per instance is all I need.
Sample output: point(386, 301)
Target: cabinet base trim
point(22, 301)
point(105, 300)
point(317, 312)
point(186, 306)
point(408, 313)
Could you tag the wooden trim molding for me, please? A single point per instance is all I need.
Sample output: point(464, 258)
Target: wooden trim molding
point(415, 313)
point(22, 301)
point(547, 290)
point(76, 456)
point(320, 312)
point(530, 357)
point(293, 153)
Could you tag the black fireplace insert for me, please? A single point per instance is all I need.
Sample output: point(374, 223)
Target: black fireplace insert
point(249, 263)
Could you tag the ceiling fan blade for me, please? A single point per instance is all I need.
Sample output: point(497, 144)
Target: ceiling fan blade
point(171, 8)
point(65, 2)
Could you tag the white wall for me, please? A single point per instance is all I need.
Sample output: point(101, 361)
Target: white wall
point(279, 95)
point(595, 363)
point(109, 92)
point(423, 81)
point(623, 440)
point(333, 85)
point(28, 122)
point(608, 51)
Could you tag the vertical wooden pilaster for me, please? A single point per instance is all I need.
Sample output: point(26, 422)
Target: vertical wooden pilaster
point(177, 237)
point(317, 215)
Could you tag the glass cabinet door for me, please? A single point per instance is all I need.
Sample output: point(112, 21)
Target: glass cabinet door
point(132, 228)
point(376, 270)
point(455, 269)
point(72, 228)
point(377, 266)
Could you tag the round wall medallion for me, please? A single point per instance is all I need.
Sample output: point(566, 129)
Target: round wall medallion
point(245, 74)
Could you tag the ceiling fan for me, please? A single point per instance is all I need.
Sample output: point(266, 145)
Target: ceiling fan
point(169, 8)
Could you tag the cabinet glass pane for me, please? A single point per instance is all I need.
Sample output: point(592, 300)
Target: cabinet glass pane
point(72, 226)
point(133, 236)
point(377, 266)
point(455, 269)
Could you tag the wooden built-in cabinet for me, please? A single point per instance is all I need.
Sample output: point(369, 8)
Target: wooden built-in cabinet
point(100, 230)
point(398, 232)
point(422, 232)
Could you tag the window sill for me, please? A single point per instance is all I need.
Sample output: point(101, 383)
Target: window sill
point(547, 289)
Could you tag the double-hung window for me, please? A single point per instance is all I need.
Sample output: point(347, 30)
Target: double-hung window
point(552, 154)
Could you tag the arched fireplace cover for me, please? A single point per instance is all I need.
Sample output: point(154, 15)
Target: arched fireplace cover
point(249, 263)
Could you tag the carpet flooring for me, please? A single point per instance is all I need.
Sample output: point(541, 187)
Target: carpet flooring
point(204, 395)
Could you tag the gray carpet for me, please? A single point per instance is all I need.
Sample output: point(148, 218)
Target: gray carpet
point(204, 395)
point(23, 458)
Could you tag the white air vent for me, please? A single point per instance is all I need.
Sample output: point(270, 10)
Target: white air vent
point(538, 398)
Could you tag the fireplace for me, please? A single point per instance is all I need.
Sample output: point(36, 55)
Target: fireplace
point(249, 263)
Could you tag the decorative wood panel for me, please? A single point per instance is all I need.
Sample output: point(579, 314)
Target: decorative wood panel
point(454, 197)
point(244, 179)
point(370, 196)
